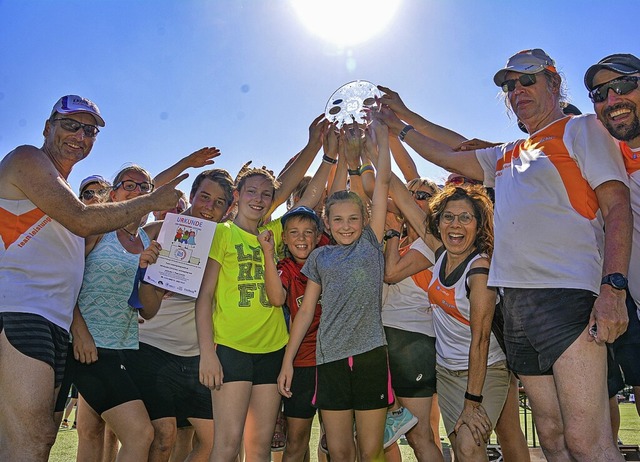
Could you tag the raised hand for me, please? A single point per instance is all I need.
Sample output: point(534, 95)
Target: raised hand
point(392, 100)
point(265, 238)
point(202, 157)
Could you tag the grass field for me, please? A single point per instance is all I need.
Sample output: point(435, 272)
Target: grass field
point(65, 448)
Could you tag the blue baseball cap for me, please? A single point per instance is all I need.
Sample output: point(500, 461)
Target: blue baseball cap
point(302, 211)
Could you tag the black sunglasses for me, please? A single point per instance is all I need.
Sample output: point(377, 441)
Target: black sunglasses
point(73, 126)
point(525, 80)
point(421, 195)
point(621, 86)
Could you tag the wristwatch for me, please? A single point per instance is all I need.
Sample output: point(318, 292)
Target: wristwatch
point(390, 234)
point(616, 280)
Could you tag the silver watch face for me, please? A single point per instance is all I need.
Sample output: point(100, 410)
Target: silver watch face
point(349, 101)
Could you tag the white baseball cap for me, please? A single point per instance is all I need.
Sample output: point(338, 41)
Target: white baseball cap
point(71, 104)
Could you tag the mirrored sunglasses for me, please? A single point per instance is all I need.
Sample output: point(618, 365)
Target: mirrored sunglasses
point(621, 86)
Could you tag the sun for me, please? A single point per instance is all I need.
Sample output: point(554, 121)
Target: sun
point(345, 23)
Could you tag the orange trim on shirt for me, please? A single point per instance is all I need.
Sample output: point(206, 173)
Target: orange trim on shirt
point(550, 141)
point(445, 299)
point(13, 226)
point(631, 158)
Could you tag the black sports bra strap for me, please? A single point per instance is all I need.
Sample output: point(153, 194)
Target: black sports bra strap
point(471, 272)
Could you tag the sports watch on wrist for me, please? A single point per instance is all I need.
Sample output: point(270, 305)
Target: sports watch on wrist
point(390, 234)
point(616, 280)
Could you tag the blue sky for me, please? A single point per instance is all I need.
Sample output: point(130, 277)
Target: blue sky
point(248, 77)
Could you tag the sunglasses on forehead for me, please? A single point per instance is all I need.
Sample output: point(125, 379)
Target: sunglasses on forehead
point(460, 180)
point(621, 86)
point(525, 80)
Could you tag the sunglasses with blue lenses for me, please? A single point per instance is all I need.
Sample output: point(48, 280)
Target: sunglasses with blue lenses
point(621, 86)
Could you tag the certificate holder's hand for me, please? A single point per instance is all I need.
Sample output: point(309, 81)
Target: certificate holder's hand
point(150, 255)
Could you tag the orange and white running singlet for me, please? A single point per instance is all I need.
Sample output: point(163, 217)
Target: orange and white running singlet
point(548, 225)
point(41, 263)
point(451, 320)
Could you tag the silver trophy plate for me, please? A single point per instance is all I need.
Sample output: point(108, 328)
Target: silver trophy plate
point(349, 101)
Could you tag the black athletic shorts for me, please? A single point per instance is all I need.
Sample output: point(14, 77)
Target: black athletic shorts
point(412, 361)
point(106, 383)
point(303, 387)
point(540, 324)
point(257, 368)
point(359, 382)
point(169, 384)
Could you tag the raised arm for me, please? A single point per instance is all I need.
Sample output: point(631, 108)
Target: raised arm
point(443, 135)
point(411, 212)
point(352, 148)
point(383, 177)
point(200, 158)
point(435, 152)
point(28, 173)
point(291, 176)
point(318, 184)
point(403, 159)
point(398, 267)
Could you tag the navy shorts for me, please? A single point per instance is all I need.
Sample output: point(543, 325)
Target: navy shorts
point(169, 384)
point(623, 354)
point(540, 324)
point(257, 368)
point(412, 361)
point(36, 337)
point(359, 382)
point(303, 387)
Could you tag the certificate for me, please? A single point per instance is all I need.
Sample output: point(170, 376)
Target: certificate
point(185, 243)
